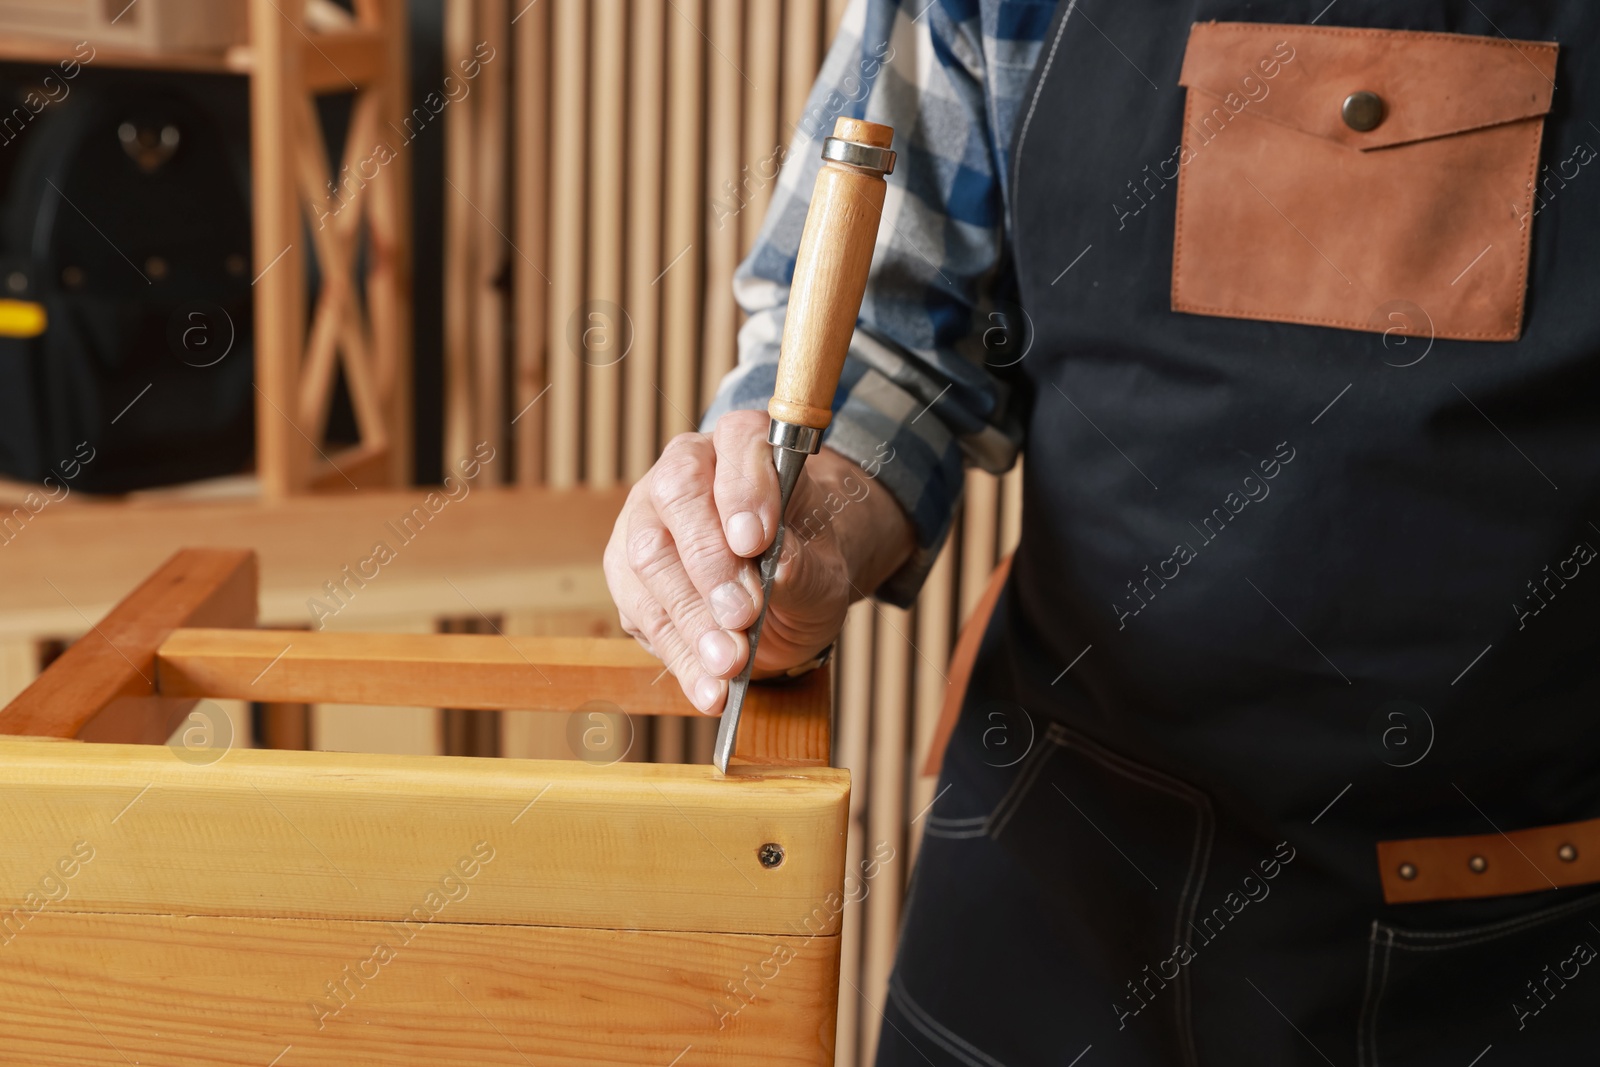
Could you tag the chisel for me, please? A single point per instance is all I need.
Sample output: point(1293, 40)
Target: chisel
point(830, 277)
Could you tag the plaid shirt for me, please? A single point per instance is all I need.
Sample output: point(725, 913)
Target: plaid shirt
point(923, 390)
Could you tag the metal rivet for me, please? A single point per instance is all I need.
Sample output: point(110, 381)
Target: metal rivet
point(770, 855)
point(1408, 871)
point(1362, 111)
point(1567, 853)
point(1478, 864)
point(17, 281)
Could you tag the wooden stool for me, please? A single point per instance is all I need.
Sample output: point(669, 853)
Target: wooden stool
point(192, 902)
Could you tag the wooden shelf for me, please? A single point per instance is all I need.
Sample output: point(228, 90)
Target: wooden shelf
point(338, 61)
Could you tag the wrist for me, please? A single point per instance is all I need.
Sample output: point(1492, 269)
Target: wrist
point(873, 533)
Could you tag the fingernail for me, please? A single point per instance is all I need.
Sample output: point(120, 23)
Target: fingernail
point(745, 533)
point(706, 692)
point(731, 606)
point(717, 651)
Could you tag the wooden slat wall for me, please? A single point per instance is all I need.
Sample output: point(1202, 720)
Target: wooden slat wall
point(639, 129)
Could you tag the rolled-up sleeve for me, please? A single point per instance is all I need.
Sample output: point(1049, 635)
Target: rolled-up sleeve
point(921, 395)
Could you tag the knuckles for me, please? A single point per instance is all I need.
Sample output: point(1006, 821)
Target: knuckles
point(683, 473)
point(649, 548)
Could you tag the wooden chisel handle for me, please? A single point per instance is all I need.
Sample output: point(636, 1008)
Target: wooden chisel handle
point(830, 278)
point(830, 271)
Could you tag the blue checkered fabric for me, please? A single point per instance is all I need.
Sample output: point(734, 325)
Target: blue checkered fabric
point(924, 381)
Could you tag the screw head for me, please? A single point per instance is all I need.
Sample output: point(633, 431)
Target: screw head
point(770, 855)
point(1408, 871)
point(1567, 853)
point(1478, 864)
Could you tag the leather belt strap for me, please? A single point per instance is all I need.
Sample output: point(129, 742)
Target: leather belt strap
point(1490, 865)
point(961, 660)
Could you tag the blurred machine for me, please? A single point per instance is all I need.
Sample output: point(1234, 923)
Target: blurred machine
point(124, 219)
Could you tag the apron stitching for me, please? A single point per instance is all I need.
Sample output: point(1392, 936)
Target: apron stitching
point(997, 819)
point(1202, 847)
point(1366, 999)
point(1038, 91)
point(955, 835)
point(1204, 830)
point(947, 1039)
point(1383, 984)
point(1487, 933)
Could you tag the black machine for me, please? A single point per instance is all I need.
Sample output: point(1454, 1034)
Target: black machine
point(124, 215)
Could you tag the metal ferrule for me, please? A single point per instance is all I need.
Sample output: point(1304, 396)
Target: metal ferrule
point(852, 153)
point(795, 438)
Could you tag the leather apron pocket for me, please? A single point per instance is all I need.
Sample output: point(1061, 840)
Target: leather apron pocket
point(1526, 986)
point(1363, 179)
point(1064, 878)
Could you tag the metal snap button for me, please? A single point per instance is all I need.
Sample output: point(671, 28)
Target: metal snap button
point(1408, 871)
point(1567, 853)
point(1362, 111)
point(1478, 864)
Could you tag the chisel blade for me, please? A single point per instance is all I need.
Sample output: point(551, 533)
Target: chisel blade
point(789, 464)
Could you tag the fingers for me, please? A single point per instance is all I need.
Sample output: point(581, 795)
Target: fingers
point(703, 595)
point(648, 622)
point(746, 487)
point(680, 492)
point(678, 562)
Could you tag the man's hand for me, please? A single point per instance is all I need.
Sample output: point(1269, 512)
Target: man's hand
point(681, 563)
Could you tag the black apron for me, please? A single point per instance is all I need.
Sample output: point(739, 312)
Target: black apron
point(1154, 838)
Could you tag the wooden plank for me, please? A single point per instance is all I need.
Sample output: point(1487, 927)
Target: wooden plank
point(282, 449)
point(725, 92)
point(393, 729)
point(759, 163)
point(490, 418)
point(1011, 510)
point(606, 328)
point(802, 49)
point(530, 135)
point(443, 993)
point(855, 717)
point(350, 836)
point(787, 724)
point(490, 550)
point(681, 247)
point(284, 726)
point(646, 121)
point(935, 622)
point(568, 181)
point(886, 814)
point(48, 51)
point(979, 527)
point(389, 244)
point(337, 62)
point(545, 734)
point(349, 469)
point(460, 226)
point(110, 672)
point(483, 671)
point(19, 665)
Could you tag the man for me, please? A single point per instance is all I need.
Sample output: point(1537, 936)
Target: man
point(1290, 304)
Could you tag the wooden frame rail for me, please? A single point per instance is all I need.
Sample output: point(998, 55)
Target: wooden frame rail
point(139, 671)
point(323, 908)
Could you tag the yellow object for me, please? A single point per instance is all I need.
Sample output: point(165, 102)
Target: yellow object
point(22, 318)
